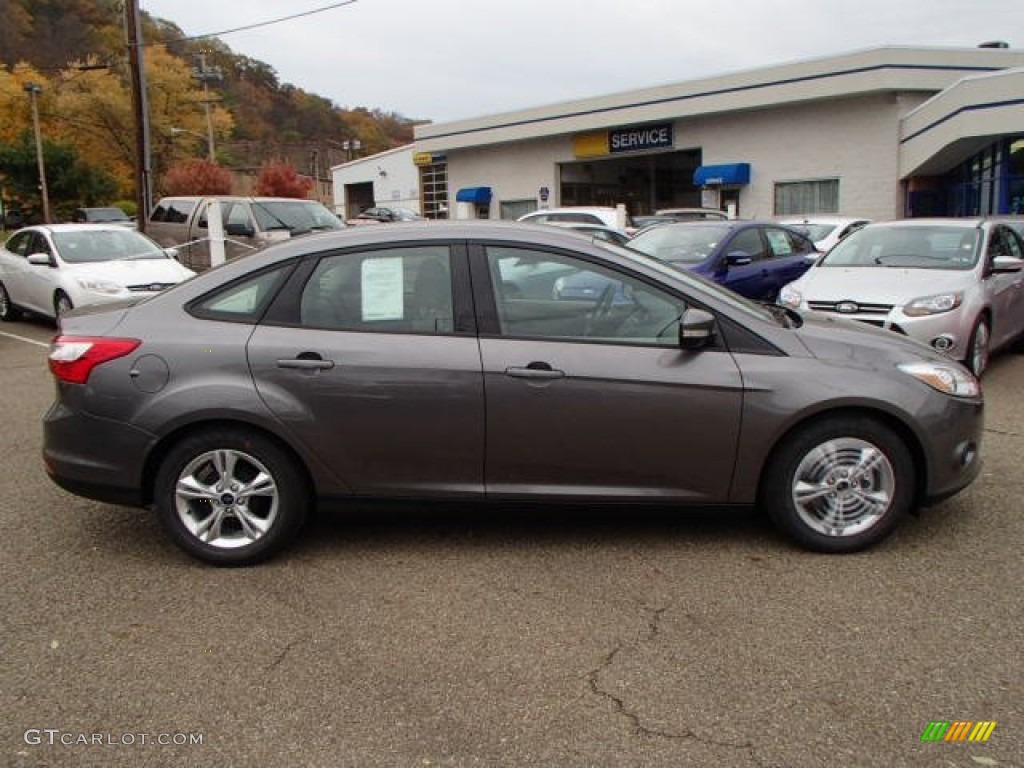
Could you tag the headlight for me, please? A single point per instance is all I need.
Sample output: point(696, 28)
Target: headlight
point(100, 286)
point(947, 378)
point(933, 305)
point(790, 297)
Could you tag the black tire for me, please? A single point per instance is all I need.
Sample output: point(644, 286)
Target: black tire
point(61, 304)
point(978, 348)
point(864, 503)
point(9, 312)
point(254, 524)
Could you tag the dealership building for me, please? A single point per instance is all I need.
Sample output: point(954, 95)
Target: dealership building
point(880, 133)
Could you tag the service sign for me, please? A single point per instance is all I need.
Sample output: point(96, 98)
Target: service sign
point(638, 138)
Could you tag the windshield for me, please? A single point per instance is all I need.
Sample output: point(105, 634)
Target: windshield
point(940, 246)
point(734, 300)
point(295, 215)
point(686, 244)
point(82, 246)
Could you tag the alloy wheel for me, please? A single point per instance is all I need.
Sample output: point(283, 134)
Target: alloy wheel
point(226, 499)
point(843, 487)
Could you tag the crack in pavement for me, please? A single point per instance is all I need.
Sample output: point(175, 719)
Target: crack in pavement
point(636, 725)
point(276, 661)
point(1004, 432)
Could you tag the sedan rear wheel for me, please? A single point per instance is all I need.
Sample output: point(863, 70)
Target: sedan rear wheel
point(840, 485)
point(8, 312)
point(230, 497)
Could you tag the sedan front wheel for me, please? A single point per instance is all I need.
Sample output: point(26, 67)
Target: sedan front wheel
point(840, 484)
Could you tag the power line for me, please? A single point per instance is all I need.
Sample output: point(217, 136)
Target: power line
point(266, 23)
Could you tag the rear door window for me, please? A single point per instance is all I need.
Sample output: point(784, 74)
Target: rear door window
point(392, 290)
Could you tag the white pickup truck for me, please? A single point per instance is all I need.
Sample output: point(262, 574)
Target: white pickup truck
point(250, 223)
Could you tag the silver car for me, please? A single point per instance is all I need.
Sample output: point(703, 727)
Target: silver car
point(954, 284)
point(439, 361)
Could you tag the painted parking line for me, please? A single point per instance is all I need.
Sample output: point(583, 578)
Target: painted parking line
point(25, 339)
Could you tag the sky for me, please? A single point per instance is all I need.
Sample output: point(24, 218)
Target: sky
point(445, 60)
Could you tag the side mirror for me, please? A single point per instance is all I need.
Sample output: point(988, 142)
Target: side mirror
point(1005, 264)
point(696, 329)
point(40, 259)
point(738, 259)
point(239, 229)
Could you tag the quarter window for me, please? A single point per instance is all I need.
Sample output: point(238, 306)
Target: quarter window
point(396, 290)
point(552, 296)
point(243, 301)
point(19, 243)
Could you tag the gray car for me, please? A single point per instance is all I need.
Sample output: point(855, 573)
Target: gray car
point(439, 361)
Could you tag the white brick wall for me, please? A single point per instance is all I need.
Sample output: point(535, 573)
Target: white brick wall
point(854, 139)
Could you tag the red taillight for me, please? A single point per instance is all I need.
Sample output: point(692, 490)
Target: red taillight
point(72, 358)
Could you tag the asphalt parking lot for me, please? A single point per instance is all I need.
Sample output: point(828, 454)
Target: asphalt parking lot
point(511, 637)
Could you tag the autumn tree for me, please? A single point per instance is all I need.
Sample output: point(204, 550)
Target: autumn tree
point(197, 177)
point(279, 179)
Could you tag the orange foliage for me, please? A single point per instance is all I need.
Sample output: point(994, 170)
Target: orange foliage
point(279, 179)
point(197, 177)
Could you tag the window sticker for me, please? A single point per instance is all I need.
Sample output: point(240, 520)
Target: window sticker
point(779, 242)
point(383, 289)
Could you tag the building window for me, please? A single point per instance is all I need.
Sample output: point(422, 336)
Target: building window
point(513, 209)
point(799, 197)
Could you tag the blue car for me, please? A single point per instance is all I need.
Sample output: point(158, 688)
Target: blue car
point(752, 258)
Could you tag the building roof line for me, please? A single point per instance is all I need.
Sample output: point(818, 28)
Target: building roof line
point(713, 92)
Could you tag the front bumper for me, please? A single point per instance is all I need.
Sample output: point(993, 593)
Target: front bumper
point(952, 447)
point(947, 332)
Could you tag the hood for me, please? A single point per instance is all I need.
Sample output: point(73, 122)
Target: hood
point(838, 339)
point(132, 271)
point(878, 285)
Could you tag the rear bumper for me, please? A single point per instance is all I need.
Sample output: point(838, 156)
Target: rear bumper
point(96, 458)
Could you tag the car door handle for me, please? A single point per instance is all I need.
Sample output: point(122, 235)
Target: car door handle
point(307, 361)
point(536, 370)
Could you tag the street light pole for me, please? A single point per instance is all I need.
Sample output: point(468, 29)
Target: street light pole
point(33, 90)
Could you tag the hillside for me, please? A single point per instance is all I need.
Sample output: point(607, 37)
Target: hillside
point(75, 49)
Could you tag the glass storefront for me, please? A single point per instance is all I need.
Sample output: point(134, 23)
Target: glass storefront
point(991, 182)
point(645, 183)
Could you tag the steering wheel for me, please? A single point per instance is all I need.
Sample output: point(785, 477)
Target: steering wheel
point(602, 308)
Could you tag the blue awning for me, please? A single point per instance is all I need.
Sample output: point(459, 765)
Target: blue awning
point(727, 173)
point(478, 195)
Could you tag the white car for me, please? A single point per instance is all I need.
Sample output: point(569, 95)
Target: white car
point(52, 268)
point(954, 284)
point(609, 217)
point(825, 231)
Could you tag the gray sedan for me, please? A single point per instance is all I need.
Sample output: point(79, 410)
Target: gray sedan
point(440, 361)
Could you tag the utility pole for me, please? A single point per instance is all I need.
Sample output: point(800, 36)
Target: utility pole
point(33, 91)
point(140, 107)
point(205, 74)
